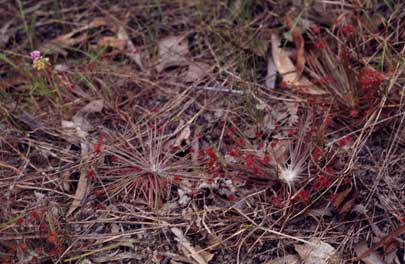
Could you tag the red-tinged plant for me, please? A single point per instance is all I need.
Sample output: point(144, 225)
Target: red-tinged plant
point(316, 29)
point(346, 181)
point(12, 250)
point(328, 121)
point(176, 179)
point(344, 141)
point(53, 238)
point(347, 30)
point(23, 246)
point(370, 79)
point(6, 259)
point(277, 202)
point(20, 221)
point(304, 195)
point(317, 154)
point(235, 152)
point(35, 215)
point(39, 250)
point(43, 227)
point(322, 182)
point(91, 174)
point(320, 44)
point(98, 147)
point(231, 197)
point(53, 252)
point(354, 113)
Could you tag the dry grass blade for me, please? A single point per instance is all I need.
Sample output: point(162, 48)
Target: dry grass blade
point(187, 245)
point(334, 73)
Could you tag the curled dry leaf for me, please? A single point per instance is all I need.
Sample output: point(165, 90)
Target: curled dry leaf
point(197, 71)
point(283, 63)
point(113, 42)
point(318, 252)
point(183, 136)
point(95, 106)
point(172, 52)
point(82, 126)
point(132, 52)
point(288, 71)
point(59, 44)
point(371, 258)
point(82, 187)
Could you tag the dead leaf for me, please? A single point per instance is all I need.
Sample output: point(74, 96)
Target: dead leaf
point(113, 42)
point(59, 44)
point(283, 63)
point(287, 259)
point(187, 246)
point(386, 242)
point(95, 106)
point(288, 71)
point(345, 209)
point(82, 187)
point(371, 258)
point(299, 45)
point(197, 71)
point(318, 252)
point(271, 75)
point(340, 197)
point(183, 136)
point(132, 52)
point(172, 51)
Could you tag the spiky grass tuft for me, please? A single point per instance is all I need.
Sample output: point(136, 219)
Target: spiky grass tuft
point(290, 170)
point(145, 164)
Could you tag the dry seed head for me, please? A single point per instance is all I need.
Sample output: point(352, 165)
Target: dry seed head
point(292, 168)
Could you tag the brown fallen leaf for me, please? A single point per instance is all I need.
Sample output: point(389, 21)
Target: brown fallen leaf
point(371, 258)
point(288, 71)
point(183, 136)
point(284, 64)
point(132, 52)
point(82, 126)
point(340, 197)
point(172, 51)
point(113, 42)
point(299, 45)
point(197, 71)
point(59, 44)
point(318, 252)
point(82, 187)
point(385, 242)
